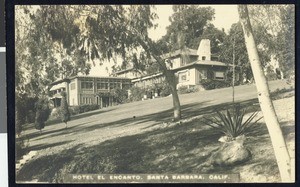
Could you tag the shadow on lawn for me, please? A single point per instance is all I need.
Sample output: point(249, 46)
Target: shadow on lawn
point(176, 149)
point(171, 150)
point(188, 110)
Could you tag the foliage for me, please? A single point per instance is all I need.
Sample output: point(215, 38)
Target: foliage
point(209, 84)
point(165, 89)
point(22, 145)
point(136, 93)
point(74, 110)
point(187, 25)
point(120, 95)
point(236, 38)
point(42, 113)
point(64, 109)
point(88, 107)
point(47, 47)
point(276, 25)
point(187, 89)
point(271, 76)
point(232, 124)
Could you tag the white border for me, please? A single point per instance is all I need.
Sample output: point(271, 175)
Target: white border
point(3, 160)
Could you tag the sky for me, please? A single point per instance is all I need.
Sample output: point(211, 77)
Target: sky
point(225, 16)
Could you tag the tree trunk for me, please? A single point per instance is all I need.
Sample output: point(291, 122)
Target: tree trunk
point(170, 77)
point(278, 142)
point(150, 48)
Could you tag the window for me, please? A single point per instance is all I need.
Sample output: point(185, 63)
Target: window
point(183, 77)
point(102, 85)
point(203, 57)
point(87, 85)
point(114, 85)
point(72, 86)
point(202, 74)
point(86, 100)
point(219, 75)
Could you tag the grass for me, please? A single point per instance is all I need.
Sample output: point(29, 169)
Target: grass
point(146, 144)
point(178, 149)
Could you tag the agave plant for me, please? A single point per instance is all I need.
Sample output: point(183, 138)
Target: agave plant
point(232, 124)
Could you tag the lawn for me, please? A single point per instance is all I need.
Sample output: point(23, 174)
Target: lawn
point(112, 141)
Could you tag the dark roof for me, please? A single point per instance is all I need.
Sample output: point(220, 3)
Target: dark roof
point(60, 81)
point(203, 62)
point(84, 76)
point(147, 77)
point(124, 70)
point(103, 77)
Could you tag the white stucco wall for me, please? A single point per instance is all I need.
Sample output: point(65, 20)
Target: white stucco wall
point(73, 94)
point(190, 77)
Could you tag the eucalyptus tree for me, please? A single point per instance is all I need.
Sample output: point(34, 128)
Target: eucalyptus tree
point(276, 25)
point(275, 132)
point(118, 30)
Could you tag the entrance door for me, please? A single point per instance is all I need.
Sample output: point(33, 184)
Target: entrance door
point(105, 101)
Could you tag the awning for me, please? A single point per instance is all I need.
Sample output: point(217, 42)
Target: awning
point(58, 86)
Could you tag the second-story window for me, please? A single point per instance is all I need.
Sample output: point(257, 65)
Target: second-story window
point(87, 85)
point(102, 85)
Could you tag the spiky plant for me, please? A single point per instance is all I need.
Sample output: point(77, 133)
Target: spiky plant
point(232, 124)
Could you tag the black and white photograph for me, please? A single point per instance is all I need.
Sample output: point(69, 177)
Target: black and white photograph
point(173, 93)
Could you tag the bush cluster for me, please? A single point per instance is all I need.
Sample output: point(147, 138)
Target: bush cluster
point(42, 114)
point(137, 94)
point(64, 109)
point(25, 111)
point(74, 110)
point(86, 108)
point(187, 89)
point(120, 95)
point(271, 76)
point(209, 84)
point(165, 89)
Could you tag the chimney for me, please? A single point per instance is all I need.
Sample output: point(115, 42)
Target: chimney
point(203, 51)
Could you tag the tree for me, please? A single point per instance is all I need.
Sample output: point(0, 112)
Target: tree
point(276, 25)
point(43, 41)
point(126, 29)
point(236, 36)
point(188, 23)
point(42, 114)
point(64, 109)
point(278, 142)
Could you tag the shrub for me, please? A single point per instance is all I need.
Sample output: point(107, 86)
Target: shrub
point(187, 89)
point(136, 93)
point(64, 109)
point(25, 111)
point(271, 76)
point(21, 148)
point(42, 113)
point(209, 84)
point(165, 89)
point(74, 110)
point(87, 108)
point(231, 123)
point(120, 95)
